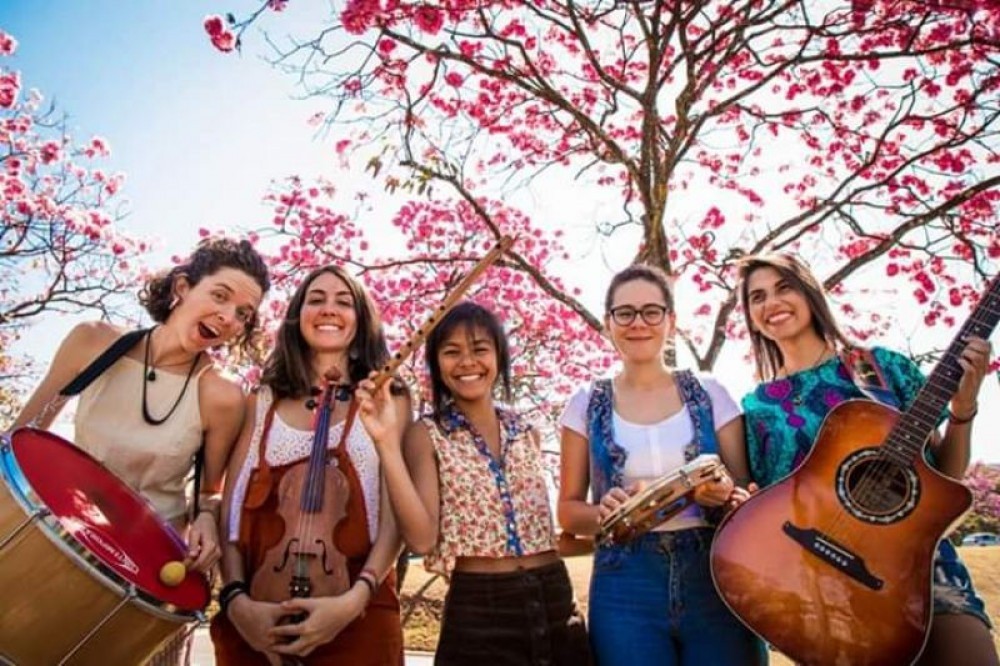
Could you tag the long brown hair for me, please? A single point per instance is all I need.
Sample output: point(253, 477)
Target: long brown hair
point(766, 353)
point(287, 369)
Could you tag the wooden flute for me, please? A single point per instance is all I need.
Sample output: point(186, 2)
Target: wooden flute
point(447, 304)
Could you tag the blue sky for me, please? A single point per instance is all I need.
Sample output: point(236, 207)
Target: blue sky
point(200, 134)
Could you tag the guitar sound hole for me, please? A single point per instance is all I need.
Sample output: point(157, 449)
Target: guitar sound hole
point(878, 487)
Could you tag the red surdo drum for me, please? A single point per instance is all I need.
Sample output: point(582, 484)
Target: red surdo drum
point(80, 557)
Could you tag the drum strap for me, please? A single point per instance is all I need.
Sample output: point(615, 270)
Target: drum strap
point(88, 375)
point(118, 348)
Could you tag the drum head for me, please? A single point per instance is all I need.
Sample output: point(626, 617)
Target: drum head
point(105, 516)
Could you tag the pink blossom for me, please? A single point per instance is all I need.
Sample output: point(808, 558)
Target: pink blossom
point(453, 79)
point(49, 152)
point(225, 42)
point(214, 25)
point(429, 19)
point(10, 85)
point(7, 44)
point(277, 5)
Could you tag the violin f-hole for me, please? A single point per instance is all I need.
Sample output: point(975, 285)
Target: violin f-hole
point(284, 559)
point(322, 558)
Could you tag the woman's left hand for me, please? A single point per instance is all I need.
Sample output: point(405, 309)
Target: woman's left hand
point(714, 493)
point(975, 362)
point(203, 543)
point(325, 618)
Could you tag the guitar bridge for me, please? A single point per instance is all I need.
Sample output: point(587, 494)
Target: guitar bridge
point(834, 554)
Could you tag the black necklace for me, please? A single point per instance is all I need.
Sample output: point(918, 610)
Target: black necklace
point(149, 374)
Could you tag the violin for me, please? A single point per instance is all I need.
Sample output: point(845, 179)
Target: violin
point(312, 500)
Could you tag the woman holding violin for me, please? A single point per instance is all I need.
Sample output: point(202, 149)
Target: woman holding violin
point(310, 536)
point(652, 600)
point(148, 414)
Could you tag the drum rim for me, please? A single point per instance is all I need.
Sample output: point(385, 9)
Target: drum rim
point(35, 509)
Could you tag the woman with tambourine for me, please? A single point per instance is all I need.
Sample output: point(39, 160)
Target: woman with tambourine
point(341, 607)
point(148, 413)
point(652, 600)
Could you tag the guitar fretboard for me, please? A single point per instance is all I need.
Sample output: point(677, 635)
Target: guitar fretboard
point(906, 441)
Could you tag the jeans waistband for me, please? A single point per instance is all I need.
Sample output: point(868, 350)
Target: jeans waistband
point(694, 538)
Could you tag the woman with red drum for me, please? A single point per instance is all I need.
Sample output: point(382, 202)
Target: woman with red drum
point(150, 412)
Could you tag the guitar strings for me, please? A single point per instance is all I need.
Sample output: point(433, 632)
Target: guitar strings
point(875, 479)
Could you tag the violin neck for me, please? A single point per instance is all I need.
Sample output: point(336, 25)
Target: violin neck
point(312, 491)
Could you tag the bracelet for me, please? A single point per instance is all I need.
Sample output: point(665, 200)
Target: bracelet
point(371, 587)
point(229, 592)
point(957, 421)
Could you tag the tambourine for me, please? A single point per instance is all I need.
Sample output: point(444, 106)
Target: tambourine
point(660, 501)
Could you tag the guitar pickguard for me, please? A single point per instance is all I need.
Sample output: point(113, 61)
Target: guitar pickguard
point(875, 488)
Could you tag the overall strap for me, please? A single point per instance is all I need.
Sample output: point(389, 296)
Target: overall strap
point(699, 406)
point(118, 348)
point(607, 457)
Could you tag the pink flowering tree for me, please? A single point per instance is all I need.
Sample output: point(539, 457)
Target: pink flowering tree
point(984, 482)
point(59, 248)
point(861, 135)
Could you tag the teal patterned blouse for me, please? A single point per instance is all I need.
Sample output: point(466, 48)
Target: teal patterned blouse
point(784, 416)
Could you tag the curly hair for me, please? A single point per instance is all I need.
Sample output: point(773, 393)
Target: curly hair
point(210, 256)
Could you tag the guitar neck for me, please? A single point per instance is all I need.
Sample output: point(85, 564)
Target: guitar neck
point(922, 417)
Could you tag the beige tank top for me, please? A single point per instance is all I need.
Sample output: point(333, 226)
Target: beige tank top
point(154, 460)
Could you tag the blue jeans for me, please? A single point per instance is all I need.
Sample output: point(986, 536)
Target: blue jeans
point(653, 602)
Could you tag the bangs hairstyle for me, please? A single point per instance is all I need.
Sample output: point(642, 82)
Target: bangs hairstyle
point(209, 257)
point(766, 353)
point(643, 272)
point(469, 317)
point(288, 370)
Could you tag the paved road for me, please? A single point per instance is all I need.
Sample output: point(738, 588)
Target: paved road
point(203, 655)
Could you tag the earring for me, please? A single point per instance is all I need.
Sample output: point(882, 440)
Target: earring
point(175, 301)
point(353, 354)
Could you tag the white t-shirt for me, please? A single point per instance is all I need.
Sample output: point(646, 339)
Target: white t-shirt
point(658, 448)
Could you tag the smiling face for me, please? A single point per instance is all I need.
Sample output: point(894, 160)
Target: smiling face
point(467, 362)
point(215, 310)
point(328, 319)
point(776, 308)
point(639, 341)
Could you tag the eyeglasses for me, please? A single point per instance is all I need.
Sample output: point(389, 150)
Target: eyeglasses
point(651, 313)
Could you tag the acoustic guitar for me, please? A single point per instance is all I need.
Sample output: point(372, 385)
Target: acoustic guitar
point(832, 564)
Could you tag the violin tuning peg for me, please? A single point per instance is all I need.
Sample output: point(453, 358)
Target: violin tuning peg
point(315, 390)
point(311, 404)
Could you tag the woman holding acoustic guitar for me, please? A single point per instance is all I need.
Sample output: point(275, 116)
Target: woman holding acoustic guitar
point(652, 599)
point(310, 536)
point(800, 354)
point(148, 414)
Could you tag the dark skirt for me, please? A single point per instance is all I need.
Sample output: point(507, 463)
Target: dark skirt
point(513, 619)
